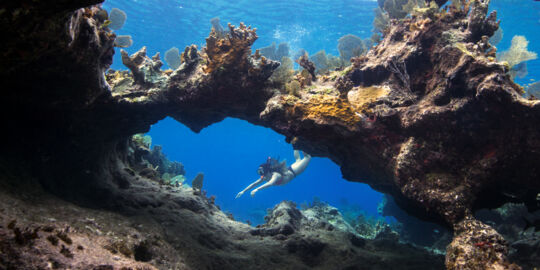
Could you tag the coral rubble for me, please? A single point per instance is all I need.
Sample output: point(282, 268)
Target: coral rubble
point(445, 138)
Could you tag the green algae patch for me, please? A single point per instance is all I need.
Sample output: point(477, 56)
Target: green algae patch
point(361, 97)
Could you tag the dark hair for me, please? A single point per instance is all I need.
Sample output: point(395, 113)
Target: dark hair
point(269, 166)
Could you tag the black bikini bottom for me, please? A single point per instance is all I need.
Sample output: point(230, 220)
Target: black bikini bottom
point(290, 169)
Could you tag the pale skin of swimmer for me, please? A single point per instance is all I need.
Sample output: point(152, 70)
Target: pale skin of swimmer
point(278, 179)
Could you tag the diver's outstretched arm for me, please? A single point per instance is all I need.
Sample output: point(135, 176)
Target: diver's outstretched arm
point(275, 178)
point(260, 180)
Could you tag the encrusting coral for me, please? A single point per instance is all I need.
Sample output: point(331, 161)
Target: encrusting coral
point(229, 51)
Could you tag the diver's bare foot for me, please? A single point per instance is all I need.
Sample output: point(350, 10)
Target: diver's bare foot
point(239, 194)
point(253, 192)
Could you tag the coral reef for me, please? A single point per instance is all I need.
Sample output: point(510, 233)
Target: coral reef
point(123, 41)
point(284, 73)
point(350, 46)
point(517, 56)
point(293, 88)
point(311, 233)
point(117, 18)
point(325, 63)
point(145, 71)
point(497, 37)
point(308, 66)
point(216, 26)
point(172, 58)
point(518, 52)
point(273, 53)
point(445, 138)
point(398, 9)
point(229, 51)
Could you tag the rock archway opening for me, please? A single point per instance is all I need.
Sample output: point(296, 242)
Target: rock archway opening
point(228, 154)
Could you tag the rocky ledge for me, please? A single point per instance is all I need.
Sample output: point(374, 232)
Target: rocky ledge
point(427, 115)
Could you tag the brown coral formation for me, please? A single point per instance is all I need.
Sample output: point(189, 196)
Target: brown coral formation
point(229, 51)
point(304, 62)
point(427, 116)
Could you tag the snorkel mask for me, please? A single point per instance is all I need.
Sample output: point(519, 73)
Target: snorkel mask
point(260, 171)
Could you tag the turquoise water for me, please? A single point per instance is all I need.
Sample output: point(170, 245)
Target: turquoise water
point(229, 152)
point(311, 25)
point(520, 17)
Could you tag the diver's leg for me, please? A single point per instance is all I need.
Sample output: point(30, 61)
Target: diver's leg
point(275, 178)
point(300, 165)
point(296, 155)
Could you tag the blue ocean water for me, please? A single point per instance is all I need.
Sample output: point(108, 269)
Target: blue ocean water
point(228, 153)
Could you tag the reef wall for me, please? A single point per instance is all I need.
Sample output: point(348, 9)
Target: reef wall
point(428, 115)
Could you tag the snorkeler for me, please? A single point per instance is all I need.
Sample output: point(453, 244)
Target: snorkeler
point(277, 173)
